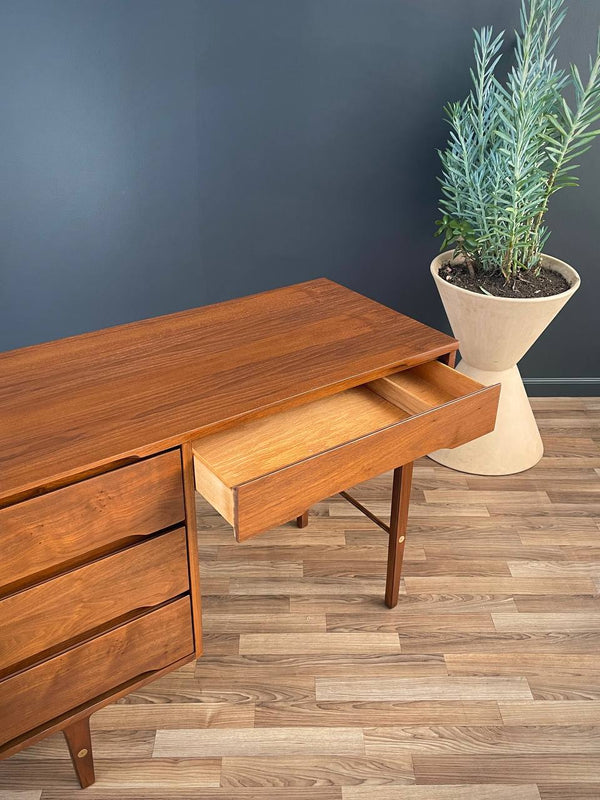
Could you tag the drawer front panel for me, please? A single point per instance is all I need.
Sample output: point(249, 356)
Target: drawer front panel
point(278, 497)
point(62, 608)
point(63, 683)
point(101, 513)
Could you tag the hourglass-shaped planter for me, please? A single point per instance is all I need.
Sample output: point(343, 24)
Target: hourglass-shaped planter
point(494, 334)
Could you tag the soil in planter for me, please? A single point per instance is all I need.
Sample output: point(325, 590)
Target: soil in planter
point(546, 284)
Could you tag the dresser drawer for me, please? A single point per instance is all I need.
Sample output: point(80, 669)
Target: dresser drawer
point(266, 471)
point(40, 535)
point(59, 610)
point(63, 683)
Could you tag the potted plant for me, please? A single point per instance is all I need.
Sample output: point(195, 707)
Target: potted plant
point(512, 145)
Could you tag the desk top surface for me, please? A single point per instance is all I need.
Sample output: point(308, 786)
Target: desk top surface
point(76, 404)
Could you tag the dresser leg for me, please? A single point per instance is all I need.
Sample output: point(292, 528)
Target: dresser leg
point(79, 743)
point(302, 520)
point(399, 516)
point(449, 358)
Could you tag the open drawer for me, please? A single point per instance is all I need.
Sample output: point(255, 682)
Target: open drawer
point(264, 472)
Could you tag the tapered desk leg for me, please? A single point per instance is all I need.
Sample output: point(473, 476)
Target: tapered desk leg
point(399, 517)
point(302, 520)
point(79, 743)
point(449, 358)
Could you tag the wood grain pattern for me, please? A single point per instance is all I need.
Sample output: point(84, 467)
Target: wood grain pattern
point(123, 779)
point(499, 585)
point(321, 447)
point(401, 486)
point(98, 666)
point(406, 620)
point(582, 791)
point(444, 629)
point(476, 791)
point(191, 533)
point(374, 713)
point(107, 745)
point(314, 642)
point(265, 668)
point(529, 664)
point(194, 790)
point(263, 742)
point(409, 689)
point(541, 768)
point(464, 739)
point(49, 616)
point(551, 712)
point(55, 530)
point(269, 500)
point(79, 742)
point(272, 623)
point(557, 621)
point(238, 356)
point(314, 771)
point(87, 708)
point(172, 715)
point(424, 387)
point(257, 447)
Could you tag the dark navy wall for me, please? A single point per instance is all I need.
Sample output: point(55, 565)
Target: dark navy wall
point(158, 155)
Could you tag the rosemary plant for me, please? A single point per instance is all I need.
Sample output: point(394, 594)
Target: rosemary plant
point(513, 144)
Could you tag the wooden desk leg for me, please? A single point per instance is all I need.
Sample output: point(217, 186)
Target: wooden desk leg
point(302, 520)
point(449, 358)
point(399, 516)
point(79, 743)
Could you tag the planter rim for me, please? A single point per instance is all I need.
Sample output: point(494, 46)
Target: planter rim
point(575, 283)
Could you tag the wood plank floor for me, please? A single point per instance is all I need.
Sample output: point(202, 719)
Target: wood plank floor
point(483, 684)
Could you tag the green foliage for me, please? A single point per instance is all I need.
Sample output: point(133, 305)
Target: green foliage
point(512, 145)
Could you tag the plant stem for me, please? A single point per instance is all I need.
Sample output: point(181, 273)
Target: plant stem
point(566, 145)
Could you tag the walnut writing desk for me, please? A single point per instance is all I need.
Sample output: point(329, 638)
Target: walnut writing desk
point(267, 404)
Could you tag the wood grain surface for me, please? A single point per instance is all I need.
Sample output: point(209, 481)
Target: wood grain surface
point(268, 500)
point(139, 388)
point(54, 613)
point(258, 447)
point(480, 687)
point(192, 544)
point(97, 666)
point(47, 533)
point(260, 473)
point(79, 741)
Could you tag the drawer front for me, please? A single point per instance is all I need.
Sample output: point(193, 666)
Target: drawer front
point(40, 535)
point(61, 609)
point(282, 495)
point(63, 683)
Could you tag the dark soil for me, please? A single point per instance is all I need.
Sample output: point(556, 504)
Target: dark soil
point(545, 284)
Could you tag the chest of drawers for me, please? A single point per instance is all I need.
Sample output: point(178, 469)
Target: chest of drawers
point(98, 593)
point(266, 404)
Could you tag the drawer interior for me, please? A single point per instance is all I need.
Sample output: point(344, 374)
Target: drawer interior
point(237, 455)
point(424, 387)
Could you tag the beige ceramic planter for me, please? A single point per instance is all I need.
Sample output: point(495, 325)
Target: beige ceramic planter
point(494, 334)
